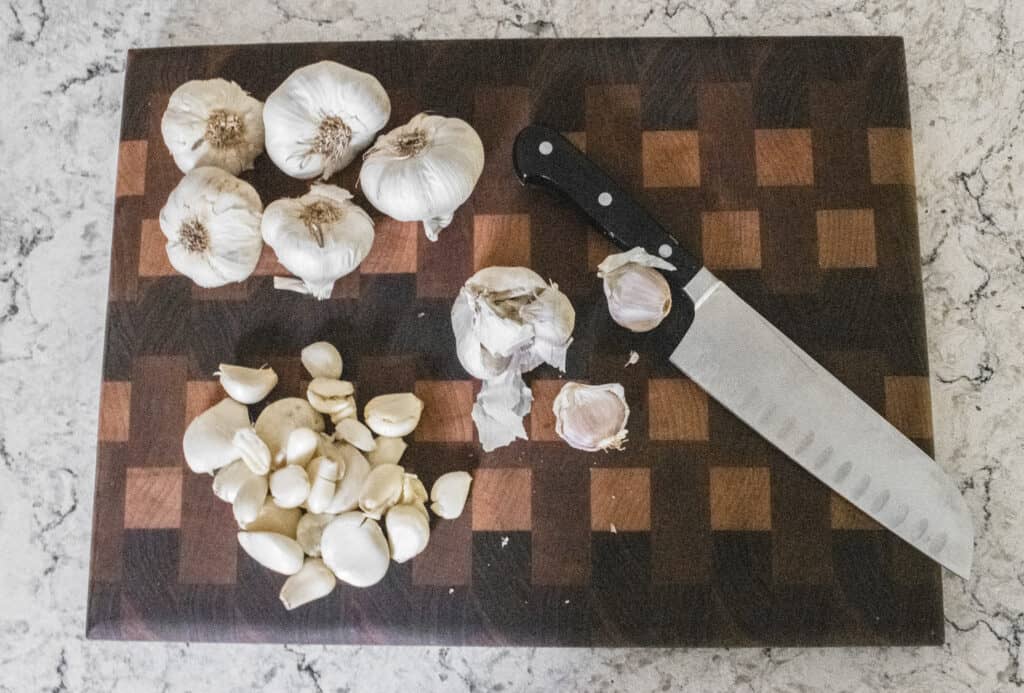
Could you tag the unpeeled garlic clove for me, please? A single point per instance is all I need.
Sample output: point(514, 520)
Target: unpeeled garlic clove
point(208, 441)
point(393, 415)
point(381, 490)
point(313, 582)
point(388, 451)
point(323, 485)
point(278, 419)
point(229, 479)
point(309, 530)
point(301, 446)
point(356, 433)
point(346, 493)
point(273, 518)
point(638, 295)
point(329, 396)
point(592, 417)
point(249, 500)
point(408, 532)
point(449, 494)
point(246, 385)
point(253, 451)
point(273, 551)
point(289, 486)
point(354, 547)
point(322, 360)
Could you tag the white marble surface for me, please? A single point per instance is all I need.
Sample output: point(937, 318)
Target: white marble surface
point(61, 82)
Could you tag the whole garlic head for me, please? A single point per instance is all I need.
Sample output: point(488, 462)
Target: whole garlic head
point(639, 297)
point(592, 417)
point(423, 170)
point(212, 224)
point(213, 122)
point(320, 237)
point(321, 117)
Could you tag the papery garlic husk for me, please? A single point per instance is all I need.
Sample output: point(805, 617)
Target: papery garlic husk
point(278, 419)
point(350, 483)
point(309, 530)
point(354, 547)
point(212, 224)
point(408, 532)
point(230, 478)
point(423, 170)
point(354, 432)
point(592, 417)
point(393, 415)
point(313, 582)
point(319, 237)
point(388, 451)
point(246, 385)
point(253, 451)
point(329, 396)
point(449, 494)
point(638, 296)
point(323, 482)
point(249, 500)
point(208, 442)
point(273, 518)
point(322, 360)
point(289, 486)
point(213, 122)
point(301, 446)
point(273, 551)
point(381, 490)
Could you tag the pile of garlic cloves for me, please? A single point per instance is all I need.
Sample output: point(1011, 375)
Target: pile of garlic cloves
point(316, 506)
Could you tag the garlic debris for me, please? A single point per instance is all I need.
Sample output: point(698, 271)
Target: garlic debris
point(289, 486)
point(321, 117)
point(208, 442)
point(354, 547)
point(329, 396)
point(638, 296)
point(592, 417)
point(408, 532)
point(314, 581)
point(381, 490)
point(213, 122)
point(394, 415)
point(423, 170)
point(319, 237)
point(449, 494)
point(356, 433)
point(388, 451)
point(253, 451)
point(212, 224)
point(300, 447)
point(278, 419)
point(322, 360)
point(249, 500)
point(274, 551)
point(230, 478)
point(310, 529)
point(246, 385)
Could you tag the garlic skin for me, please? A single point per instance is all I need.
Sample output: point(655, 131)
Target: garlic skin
point(213, 122)
point(319, 237)
point(313, 582)
point(274, 551)
point(592, 417)
point(354, 547)
point(639, 297)
point(408, 532)
point(212, 224)
point(246, 385)
point(321, 117)
point(423, 170)
point(322, 360)
point(208, 442)
point(393, 415)
point(253, 451)
point(449, 494)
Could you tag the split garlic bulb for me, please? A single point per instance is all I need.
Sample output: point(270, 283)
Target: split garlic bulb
point(638, 295)
point(321, 117)
point(423, 170)
point(212, 224)
point(213, 122)
point(320, 237)
point(592, 417)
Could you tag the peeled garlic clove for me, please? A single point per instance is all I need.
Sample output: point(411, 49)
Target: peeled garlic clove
point(348, 488)
point(323, 486)
point(310, 528)
point(393, 415)
point(354, 547)
point(592, 417)
point(273, 551)
point(449, 494)
point(381, 490)
point(322, 360)
point(208, 441)
point(638, 296)
point(388, 451)
point(408, 532)
point(289, 486)
point(278, 419)
point(356, 433)
point(313, 582)
point(301, 446)
point(413, 490)
point(346, 410)
point(273, 518)
point(253, 451)
point(229, 479)
point(249, 500)
point(246, 385)
point(328, 396)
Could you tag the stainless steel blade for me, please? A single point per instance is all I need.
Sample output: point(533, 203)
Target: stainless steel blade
point(772, 385)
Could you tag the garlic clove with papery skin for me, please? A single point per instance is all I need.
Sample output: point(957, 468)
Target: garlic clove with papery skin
point(592, 417)
point(393, 415)
point(423, 170)
point(212, 224)
point(246, 385)
point(274, 551)
point(322, 360)
point(354, 547)
point(639, 297)
point(208, 442)
point(449, 494)
point(313, 582)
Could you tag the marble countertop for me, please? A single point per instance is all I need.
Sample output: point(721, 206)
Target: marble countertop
point(62, 80)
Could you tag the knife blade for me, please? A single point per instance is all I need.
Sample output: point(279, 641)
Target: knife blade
point(762, 377)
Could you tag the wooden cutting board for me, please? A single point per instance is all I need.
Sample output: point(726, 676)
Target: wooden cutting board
point(784, 163)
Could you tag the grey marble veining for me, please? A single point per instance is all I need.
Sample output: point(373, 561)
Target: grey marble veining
point(61, 83)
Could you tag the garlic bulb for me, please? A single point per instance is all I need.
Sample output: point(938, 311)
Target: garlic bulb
point(639, 297)
point(591, 417)
point(246, 385)
point(319, 237)
point(321, 117)
point(212, 224)
point(213, 122)
point(423, 170)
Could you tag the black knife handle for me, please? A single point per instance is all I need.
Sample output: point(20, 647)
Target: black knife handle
point(541, 155)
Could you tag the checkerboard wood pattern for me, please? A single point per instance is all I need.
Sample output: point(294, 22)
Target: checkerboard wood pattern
point(785, 164)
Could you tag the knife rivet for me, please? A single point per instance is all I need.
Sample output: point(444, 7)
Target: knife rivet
point(604, 199)
point(545, 148)
point(665, 250)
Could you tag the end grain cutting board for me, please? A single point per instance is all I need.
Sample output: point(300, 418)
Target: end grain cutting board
point(785, 164)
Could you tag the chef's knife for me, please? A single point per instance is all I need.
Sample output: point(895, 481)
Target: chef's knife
point(765, 379)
